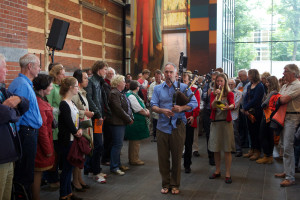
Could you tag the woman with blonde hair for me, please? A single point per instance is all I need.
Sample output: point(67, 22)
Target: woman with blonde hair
point(264, 77)
point(120, 117)
point(221, 128)
point(57, 72)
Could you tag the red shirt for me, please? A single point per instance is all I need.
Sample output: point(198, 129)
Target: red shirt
point(230, 99)
point(195, 112)
point(107, 81)
point(45, 137)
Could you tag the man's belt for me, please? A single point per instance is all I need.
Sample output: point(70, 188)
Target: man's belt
point(28, 128)
point(293, 113)
point(178, 121)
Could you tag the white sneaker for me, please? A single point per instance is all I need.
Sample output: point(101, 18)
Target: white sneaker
point(118, 172)
point(103, 175)
point(99, 178)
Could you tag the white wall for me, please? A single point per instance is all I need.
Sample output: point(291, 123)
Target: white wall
point(277, 66)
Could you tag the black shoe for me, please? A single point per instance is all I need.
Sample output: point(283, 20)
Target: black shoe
point(245, 146)
point(85, 186)
point(238, 154)
point(187, 170)
point(44, 182)
point(212, 162)
point(297, 170)
point(196, 154)
point(154, 140)
point(77, 189)
point(105, 163)
point(73, 197)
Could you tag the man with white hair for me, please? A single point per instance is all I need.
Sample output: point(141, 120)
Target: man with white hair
point(107, 137)
point(110, 74)
point(30, 122)
point(242, 87)
point(11, 109)
point(290, 95)
point(235, 116)
point(170, 129)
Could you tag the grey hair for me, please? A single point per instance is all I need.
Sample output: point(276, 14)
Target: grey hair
point(216, 73)
point(112, 69)
point(231, 79)
point(169, 63)
point(242, 71)
point(293, 68)
point(27, 58)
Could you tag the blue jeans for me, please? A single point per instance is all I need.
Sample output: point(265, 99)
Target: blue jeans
point(106, 143)
point(238, 146)
point(118, 133)
point(97, 152)
point(66, 174)
point(88, 164)
point(24, 168)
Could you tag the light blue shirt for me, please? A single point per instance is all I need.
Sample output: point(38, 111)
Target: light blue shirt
point(162, 97)
point(22, 86)
point(241, 84)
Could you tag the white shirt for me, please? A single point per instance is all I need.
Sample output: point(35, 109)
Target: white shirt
point(135, 105)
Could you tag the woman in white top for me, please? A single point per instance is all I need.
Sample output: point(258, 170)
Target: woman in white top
point(139, 129)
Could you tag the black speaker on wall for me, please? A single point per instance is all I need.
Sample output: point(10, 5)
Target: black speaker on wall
point(58, 34)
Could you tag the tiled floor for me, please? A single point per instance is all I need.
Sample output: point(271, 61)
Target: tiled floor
point(251, 181)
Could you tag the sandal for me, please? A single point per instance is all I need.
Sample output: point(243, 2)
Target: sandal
point(175, 191)
point(164, 191)
point(228, 180)
point(214, 175)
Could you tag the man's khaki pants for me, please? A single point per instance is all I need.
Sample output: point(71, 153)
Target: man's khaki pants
point(166, 144)
point(6, 177)
point(133, 151)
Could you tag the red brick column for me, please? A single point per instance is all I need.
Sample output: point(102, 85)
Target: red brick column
point(13, 34)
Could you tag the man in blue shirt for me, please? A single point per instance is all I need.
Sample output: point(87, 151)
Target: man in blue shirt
point(170, 129)
point(29, 123)
point(243, 127)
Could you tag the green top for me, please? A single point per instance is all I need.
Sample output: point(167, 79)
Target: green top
point(139, 129)
point(54, 99)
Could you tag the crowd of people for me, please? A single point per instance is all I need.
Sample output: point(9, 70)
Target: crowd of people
point(55, 126)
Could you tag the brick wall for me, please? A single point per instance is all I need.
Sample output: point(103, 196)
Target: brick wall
point(13, 34)
point(25, 26)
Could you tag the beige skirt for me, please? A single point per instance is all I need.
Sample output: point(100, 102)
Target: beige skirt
point(221, 137)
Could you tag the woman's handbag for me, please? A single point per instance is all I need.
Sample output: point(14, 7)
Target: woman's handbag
point(85, 124)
